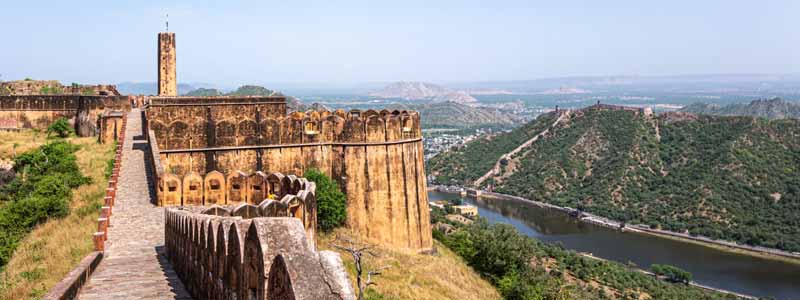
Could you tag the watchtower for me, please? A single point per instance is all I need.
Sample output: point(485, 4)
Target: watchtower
point(167, 82)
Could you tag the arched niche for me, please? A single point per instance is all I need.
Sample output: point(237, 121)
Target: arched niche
point(192, 189)
point(214, 188)
point(237, 188)
point(257, 187)
point(170, 190)
point(279, 284)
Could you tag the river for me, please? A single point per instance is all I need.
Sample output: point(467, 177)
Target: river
point(730, 271)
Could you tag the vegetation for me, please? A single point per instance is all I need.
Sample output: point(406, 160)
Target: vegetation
point(457, 115)
point(731, 178)
point(525, 268)
point(51, 90)
point(672, 273)
point(774, 108)
point(411, 275)
point(331, 205)
point(41, 190)
point(468, 163)
point(60, 127)
point(201, 92)
point(48, 252)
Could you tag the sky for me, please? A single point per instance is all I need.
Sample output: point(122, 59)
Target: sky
point(350, 42)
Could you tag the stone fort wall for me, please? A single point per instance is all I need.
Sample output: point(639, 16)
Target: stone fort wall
point(234, 257)
point(38, 111)
point(376, 157)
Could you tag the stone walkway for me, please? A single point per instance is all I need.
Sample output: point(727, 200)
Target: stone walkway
point(134, 266)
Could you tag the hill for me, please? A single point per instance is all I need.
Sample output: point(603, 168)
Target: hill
point(151, 88)
point(456, 115)
point(292, 103)
point(442, 275)
point(775, 108)
point(422, 91)
point(732, 178)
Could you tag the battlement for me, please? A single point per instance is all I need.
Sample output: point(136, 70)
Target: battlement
point(231, 257)
point(43, 87)
point(375, 156)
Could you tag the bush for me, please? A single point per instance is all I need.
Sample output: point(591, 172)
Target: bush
point(331, 202)
point(41, 190)
point(60, 127)
point(672, 273)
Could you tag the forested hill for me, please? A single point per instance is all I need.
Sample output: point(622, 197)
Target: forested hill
point(775, 108)
point(733, 178)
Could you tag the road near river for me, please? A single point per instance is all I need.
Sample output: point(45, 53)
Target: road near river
point(730, 271)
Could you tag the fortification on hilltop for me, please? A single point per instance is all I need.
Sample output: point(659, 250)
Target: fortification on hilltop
point(217, 146)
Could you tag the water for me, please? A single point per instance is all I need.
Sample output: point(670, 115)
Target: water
point(730, 271)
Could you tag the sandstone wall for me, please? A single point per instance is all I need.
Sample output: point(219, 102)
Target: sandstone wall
point(167, 79)
point(41, 87)
point(38, 111)
point(376, 157)
point(219, 257)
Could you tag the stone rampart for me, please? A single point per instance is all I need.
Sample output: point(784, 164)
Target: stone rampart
point(376, 157)
point(39, 111)
point(240, 194)
point(234, 257)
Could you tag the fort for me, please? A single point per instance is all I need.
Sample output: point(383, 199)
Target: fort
point(207, 198)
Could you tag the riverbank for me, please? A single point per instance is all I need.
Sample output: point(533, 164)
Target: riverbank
point(728, 246)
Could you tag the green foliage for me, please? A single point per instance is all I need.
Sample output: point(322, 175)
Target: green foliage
point(731, 178)
point(672, 273)
point(60, 127)
point(202, 92)
point(470, 162)
point(54, 90)
point(516, 263)
point(41, 190)
point(331, 210)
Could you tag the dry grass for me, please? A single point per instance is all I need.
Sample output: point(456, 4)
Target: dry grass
point(419, 276)
point(19, 142)
point(52, 249)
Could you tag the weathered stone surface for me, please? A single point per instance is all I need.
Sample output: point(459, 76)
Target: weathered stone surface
point(260, 258)
point(167, 81)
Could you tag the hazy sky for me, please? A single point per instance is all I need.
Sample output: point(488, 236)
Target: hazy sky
point(342, 42)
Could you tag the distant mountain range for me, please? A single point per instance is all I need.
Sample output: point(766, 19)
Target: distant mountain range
point(423, 91)
point(452, 114)
point(775, 108)
point(151, 88)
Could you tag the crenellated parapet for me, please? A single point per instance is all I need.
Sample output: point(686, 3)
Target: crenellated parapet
point(243, 195)
point(235, 257)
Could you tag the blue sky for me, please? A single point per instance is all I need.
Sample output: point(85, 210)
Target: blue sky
point(344, 42)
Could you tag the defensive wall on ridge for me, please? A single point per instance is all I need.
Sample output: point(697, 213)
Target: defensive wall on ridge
point(375, 156)
point(85, 113)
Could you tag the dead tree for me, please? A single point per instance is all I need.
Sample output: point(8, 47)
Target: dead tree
point(357, 251)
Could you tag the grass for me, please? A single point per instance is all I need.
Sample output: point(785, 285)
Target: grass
point(443, 275)
point(51, 250)
point(19, 142)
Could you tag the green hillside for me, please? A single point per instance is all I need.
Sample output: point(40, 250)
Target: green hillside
point(775, 108)
point(733, 178)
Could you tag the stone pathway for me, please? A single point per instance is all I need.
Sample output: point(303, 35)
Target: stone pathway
point(134, 266)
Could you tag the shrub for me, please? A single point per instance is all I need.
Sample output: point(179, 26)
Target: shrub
point(331, 202)
point(60, 127)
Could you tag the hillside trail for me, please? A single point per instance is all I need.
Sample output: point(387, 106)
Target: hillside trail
point(134, 265)
point(496, 169)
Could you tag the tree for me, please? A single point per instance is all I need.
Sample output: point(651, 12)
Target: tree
point(60, 127)
point(357, 250)
point(672, 273)
point(331, 202)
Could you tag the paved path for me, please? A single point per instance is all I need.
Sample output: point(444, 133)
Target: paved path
point(134, 266)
